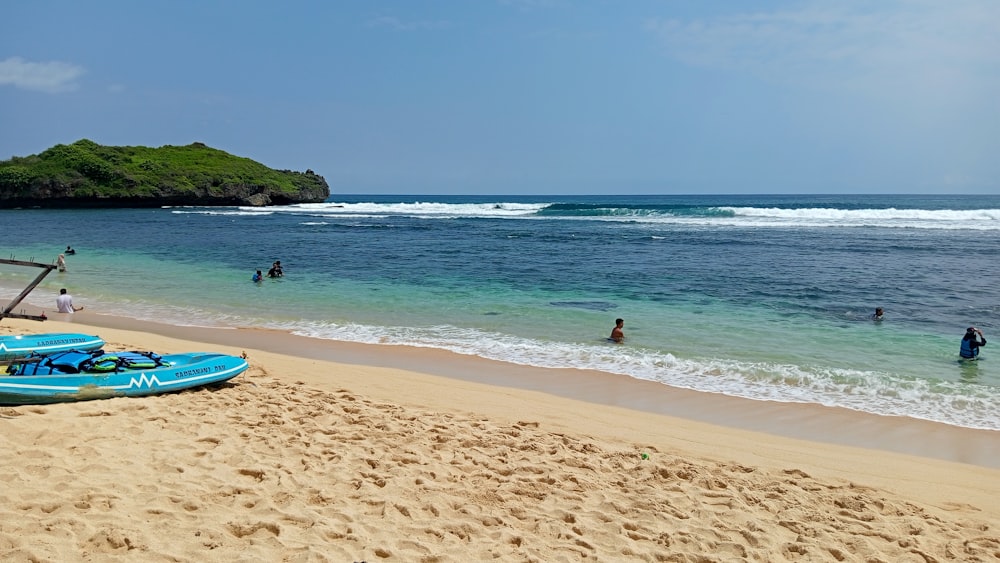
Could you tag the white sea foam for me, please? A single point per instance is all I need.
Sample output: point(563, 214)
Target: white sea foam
point(417, 209)
point(244, 211)
point(977, 219)
point(758, 217)
point(725, 216)
point(871, 392)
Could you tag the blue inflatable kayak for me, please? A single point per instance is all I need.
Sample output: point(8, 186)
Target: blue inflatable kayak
point(82, 375)
point(20, 346)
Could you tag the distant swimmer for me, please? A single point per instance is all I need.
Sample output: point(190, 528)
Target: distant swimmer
point(69, 250)
point(257, 277)
point(617, 334)
point(879, 314)
point(970, 345)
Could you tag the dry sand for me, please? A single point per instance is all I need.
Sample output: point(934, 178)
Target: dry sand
point(305, 459)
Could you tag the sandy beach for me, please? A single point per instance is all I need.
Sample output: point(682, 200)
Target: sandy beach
point(334, 453)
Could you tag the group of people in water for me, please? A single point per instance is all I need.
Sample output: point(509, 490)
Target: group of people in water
point(968, 350)
point(971, 342)
point(274, 272)
point(64, 302)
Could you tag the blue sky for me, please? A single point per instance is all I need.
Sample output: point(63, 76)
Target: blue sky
point(526, 96)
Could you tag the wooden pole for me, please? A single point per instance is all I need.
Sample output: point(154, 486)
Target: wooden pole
point(46, 268)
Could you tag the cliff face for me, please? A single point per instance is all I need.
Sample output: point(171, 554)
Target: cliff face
point(85, 174)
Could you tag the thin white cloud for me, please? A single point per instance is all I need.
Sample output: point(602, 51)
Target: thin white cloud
point(916, 42)
point(50, 77)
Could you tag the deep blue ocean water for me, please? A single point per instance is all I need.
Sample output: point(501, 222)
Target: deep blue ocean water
point(764, 297)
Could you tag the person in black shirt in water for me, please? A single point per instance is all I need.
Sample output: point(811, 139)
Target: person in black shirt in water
point(275, 271)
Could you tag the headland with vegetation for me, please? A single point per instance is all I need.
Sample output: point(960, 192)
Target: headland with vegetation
point(86, 174)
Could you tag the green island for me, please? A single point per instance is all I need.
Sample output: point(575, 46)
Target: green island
point(86, 174)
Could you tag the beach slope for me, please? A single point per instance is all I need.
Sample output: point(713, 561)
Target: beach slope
point(307, 460)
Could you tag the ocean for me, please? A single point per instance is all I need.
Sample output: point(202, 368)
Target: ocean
point(762, 297)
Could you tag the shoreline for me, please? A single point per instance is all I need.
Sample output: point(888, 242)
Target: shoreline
point(326, 453)
point(817, 423)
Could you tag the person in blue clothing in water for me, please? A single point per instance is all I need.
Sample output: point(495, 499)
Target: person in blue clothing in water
point(257, 277)
point(970, 344)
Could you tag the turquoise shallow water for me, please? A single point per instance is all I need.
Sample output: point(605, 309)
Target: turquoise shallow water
point(764, 297)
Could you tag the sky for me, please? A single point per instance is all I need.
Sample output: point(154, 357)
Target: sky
point(526, 96)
